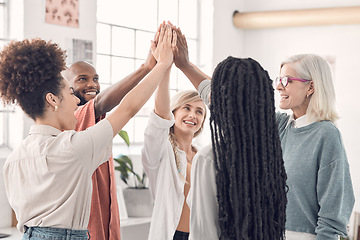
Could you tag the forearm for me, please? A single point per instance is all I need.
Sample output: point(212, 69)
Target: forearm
point(162, 98)
point(112, 96)
point(136, 98)
point(194, 74)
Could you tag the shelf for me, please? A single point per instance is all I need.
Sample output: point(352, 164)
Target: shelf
point(134, 221)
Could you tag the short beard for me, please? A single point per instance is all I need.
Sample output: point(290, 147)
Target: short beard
point(82, 99)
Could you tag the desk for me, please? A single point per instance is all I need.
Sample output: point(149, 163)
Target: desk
point(15, 234)
point(134, 228)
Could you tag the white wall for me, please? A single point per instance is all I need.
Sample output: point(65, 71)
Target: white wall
point(263, 5)
point(35, 26)
point(226, 39)
point(271, 46)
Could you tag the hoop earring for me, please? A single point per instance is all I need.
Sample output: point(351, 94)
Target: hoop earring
point(56, 108)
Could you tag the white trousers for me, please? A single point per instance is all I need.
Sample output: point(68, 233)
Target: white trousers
point(290, 235)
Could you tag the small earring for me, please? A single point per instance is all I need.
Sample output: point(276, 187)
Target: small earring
point(56, 108)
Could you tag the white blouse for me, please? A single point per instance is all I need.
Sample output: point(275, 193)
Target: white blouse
point(165, 183)
point(202, 200)
point(48, 177)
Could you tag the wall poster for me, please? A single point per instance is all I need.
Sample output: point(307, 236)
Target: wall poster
point(62, 12)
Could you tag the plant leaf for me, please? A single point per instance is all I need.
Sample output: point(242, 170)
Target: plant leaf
point(143, 178)
point(124, 135)
point(124, 178)
point(124, 160)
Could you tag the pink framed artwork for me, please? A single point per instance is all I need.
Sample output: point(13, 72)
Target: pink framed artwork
point(62, 12)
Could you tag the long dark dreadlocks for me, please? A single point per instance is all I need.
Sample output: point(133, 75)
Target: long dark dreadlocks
point(251, 178)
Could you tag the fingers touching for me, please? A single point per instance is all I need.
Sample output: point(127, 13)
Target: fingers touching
point(162, 33)
point(174, 40)
point(168, 35)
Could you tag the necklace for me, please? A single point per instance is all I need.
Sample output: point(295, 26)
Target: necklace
point(192, 155)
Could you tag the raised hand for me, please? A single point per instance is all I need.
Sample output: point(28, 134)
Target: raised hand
point(162, 48)
point(181, 52)
point(150, 61)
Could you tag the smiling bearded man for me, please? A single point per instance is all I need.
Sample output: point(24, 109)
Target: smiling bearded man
point(104, 221)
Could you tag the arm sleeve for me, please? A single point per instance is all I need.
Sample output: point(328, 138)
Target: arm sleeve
point(156, 141)
point(335, 193)
point(94, 145)
point(204, 90)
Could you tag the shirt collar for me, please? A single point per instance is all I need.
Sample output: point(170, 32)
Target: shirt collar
point(298, 123)
point(44, 130)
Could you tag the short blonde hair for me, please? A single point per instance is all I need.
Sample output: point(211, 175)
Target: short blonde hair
point(322, 103)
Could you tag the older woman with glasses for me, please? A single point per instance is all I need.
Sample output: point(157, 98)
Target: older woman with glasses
point(320, 196)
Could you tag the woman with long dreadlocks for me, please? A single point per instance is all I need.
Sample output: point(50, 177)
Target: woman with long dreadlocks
point(320, 196)
point(244, 196)
point(167, 158)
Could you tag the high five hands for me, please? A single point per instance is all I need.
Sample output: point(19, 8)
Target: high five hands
point(178, 44)
point(165, 40)
point(180, 52)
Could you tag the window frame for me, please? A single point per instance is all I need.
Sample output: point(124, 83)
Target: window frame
point(5, 111)
point(174, 81)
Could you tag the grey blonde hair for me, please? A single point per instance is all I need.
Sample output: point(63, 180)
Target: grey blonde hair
point(176, 102)
point(322, 102)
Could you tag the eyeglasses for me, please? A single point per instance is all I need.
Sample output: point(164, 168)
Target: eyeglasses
point(285, 80)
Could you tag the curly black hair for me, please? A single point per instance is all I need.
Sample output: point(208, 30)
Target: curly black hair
point(250, 172)
point(30, 69)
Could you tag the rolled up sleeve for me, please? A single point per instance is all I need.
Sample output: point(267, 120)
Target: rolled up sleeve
point(156, 143)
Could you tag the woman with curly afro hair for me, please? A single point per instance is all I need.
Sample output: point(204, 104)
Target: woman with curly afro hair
point(48, 176)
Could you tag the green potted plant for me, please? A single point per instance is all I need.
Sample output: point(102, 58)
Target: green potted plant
point(138, 200)
point(126, 167)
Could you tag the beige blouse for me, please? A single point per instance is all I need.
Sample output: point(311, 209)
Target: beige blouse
point(48, 177)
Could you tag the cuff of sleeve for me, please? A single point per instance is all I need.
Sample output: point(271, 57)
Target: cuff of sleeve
point(204, 89)
point(159, 122)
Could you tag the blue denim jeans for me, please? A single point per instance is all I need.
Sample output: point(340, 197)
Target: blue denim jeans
point(46, 233)
point(181, 235)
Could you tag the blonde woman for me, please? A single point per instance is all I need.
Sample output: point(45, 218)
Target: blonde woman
point(167, 158)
